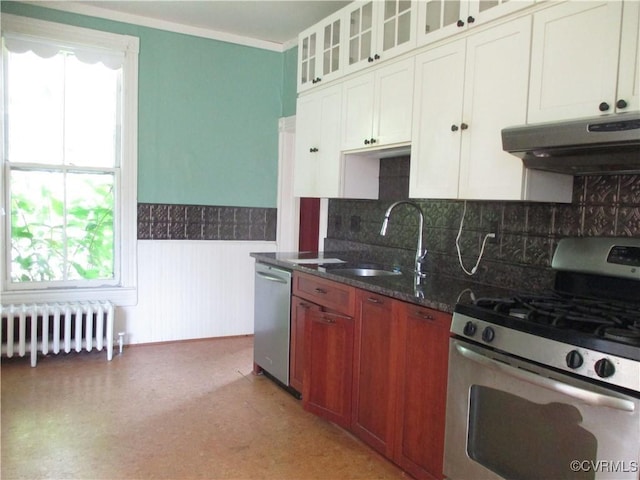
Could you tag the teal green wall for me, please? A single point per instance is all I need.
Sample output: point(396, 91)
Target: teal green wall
point(290, 79)
point(208, 114)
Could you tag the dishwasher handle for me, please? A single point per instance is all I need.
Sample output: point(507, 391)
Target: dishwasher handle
point(272, 278)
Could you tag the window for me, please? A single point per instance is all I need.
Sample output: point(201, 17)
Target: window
point(69, 163)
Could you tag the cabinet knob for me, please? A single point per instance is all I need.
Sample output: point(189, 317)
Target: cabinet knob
point(374, 300)
point(621, 104)
point(367, 141)
point(376, 57)
point(313, 150)
point(316, 80)
point(321, 291)
point(463, 126)
point(460, 23)
point(370, 59)
point(454, 128)
point(603, 107)
point(470, 19)
point(424, 316)
point(372, 141)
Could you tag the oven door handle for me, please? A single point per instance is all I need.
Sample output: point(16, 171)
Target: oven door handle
point(589, 397)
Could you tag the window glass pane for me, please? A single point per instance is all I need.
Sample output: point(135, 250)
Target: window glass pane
point(404, 5)
point(389, 40)
point(62, 226)
point(404, 28)
point(335, 39)
point(90, 230)
point(37, 226)
point(326, 62)
point(304, 67)
point(451, 12)
point(433, 16)
point(354, 43)
point(305, 48)
point(365, 45)
point(389, 9)
point(91, 116)
point(335, 59)
point(487, 4)
point(312, 45)
point(354, 23)
point(327, 36)
point(367, 16)
point(35, 108)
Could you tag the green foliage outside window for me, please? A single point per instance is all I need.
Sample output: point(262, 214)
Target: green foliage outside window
point(62, 226)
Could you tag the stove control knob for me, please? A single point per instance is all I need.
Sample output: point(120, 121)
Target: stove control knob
point(604, 368)
point(469, 329)
point(574, 359)
point(488, 335)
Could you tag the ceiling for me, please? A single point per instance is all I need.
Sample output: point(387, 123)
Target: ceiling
point(259, 22)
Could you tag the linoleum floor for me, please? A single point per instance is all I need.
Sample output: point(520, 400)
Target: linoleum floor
point(185, 410)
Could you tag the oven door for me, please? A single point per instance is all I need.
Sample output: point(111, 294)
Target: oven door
point(509, 419)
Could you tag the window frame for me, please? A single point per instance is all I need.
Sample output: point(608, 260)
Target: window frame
point(125, 291)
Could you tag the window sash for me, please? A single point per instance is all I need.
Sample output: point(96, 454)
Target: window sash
point(125, 292)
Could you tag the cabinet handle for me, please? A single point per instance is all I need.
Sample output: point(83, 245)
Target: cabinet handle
point(321, 290)
point(463, 126)
point(313, 150)
point(423, 315)
point(454, 128)
point(603, 107)
point(470, 19)
point(305, 305)
point(375, 300)
point(621, 103)
point(329, 319)
point(460, 23)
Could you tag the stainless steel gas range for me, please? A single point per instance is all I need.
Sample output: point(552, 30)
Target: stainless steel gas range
point(548, 386)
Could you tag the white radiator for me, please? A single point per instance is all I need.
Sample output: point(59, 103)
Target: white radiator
point(56, 327)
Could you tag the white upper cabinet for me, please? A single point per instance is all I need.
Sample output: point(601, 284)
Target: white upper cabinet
point(377, 107)
point(457, 146)
point(378, 30)
point(317, 167)
point(438, 19)
point(320, 53)
point(583, 62)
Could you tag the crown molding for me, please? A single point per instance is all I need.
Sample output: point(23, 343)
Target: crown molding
point(93, 11)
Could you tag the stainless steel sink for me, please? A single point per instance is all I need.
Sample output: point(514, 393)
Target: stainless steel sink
point(365, 272)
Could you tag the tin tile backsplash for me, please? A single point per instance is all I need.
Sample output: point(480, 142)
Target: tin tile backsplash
point(528, 233)
point(198, 222)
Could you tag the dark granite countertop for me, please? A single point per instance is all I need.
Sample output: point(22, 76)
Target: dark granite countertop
point(436, 291)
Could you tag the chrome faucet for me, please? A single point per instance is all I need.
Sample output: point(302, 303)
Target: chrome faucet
point(420, 255)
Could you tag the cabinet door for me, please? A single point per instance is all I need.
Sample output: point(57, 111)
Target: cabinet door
point(318, 160)
point(299, 311)
point(328, 366)
point(629, 69)
point(422, 391)
point(574, 63)
point(375, 371)
point(396, 26)
point(393, 103)
point(308, 58)
point(435, 148)
point(359, 17)
point(438, 19)
point(495, 96)
point(357, 111)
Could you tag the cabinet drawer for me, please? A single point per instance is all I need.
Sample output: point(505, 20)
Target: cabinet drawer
point(325, 293)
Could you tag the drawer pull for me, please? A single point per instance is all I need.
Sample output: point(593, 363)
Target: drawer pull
point(374, 300)
point(424, 316)
point(320, 290)
point(329, 319)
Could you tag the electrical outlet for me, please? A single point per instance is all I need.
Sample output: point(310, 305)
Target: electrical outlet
point(495, 226)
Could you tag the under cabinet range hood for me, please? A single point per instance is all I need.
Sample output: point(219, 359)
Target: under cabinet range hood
point(596, 145)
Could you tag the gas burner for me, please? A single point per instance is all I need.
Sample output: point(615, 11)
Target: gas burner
point(630, 337)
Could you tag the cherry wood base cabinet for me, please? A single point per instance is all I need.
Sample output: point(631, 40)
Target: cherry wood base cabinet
point(299, 309)
point(420, 416)
point(375, 371)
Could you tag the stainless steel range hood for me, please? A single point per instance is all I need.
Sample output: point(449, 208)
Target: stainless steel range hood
point(596, 145)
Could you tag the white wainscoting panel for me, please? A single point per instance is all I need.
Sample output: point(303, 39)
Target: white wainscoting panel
point(192, 289)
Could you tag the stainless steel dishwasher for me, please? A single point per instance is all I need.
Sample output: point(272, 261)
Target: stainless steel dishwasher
point(272, 321)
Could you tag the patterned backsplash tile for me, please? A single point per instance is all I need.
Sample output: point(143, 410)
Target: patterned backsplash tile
point(528, 233)
point(199, 222)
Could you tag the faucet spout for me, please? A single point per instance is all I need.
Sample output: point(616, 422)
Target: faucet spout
point(420, 254)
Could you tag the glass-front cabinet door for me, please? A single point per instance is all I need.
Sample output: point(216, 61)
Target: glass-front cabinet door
point(319, 52)
point(378, 30)
point(438, 19)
